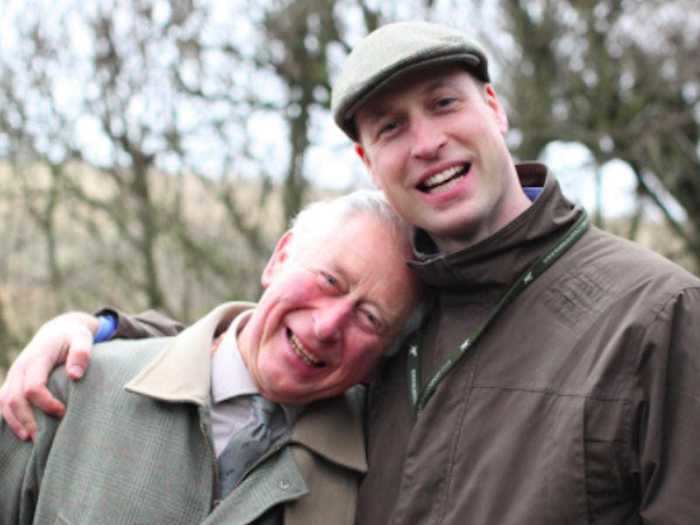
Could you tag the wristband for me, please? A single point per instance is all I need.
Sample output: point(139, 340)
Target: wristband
point(106, 328)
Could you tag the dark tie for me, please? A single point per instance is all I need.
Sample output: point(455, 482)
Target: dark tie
point(264, 428)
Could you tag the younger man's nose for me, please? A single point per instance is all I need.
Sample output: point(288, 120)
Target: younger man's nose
point(427, 139)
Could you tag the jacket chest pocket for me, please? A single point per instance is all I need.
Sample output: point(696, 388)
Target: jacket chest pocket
point(590, 461)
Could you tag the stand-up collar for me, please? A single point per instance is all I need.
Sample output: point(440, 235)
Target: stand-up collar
point(495, 262)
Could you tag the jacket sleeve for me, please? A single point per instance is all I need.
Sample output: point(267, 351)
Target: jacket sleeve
point(22, 463)
point(141, 326)
point(668, 422)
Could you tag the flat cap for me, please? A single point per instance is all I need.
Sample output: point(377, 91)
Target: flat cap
point(393, 50)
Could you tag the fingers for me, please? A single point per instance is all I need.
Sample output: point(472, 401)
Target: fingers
point(67, 338)
point(40, 396)
point(14, 407)
point(35, 390)
point(79, 353)
point(26, 385)
point(13, 415)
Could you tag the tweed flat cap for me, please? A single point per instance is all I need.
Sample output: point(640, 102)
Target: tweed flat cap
point(393, 50)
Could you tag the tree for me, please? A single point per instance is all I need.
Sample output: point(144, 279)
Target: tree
point(104, 140)
point(587, 72)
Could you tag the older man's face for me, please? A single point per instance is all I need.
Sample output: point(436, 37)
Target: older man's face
point(329, 311)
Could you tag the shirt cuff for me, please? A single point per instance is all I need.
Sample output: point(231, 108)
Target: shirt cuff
point(106, 328)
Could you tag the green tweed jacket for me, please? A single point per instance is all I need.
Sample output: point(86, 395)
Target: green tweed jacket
point(134, 447)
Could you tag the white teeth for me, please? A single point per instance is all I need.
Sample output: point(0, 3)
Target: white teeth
point(299, 350)
point(446, 186)
point(441, 177)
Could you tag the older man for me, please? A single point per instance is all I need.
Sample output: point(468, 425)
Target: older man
point(153, 434)
point(556, 377)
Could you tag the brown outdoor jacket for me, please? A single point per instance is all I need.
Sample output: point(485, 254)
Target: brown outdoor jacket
point(579, 405)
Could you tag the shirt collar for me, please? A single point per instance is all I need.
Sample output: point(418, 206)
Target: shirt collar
point(229, 375)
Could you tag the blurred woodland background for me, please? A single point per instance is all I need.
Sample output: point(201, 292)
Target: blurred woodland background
point(151, 151)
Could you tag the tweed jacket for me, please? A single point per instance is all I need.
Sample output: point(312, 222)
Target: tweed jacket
point(134, 447)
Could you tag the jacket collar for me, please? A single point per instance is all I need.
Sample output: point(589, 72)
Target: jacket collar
point(491, 265)
point(342, 439)
point(181, 373)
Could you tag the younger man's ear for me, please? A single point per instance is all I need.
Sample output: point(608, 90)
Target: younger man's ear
point(498, 110)
point(277, 259)
point(362, 153)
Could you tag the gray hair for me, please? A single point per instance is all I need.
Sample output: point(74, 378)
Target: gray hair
point(321, 216)
point(326, 215)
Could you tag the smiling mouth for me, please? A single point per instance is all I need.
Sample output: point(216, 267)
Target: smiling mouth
point(444, 180)
point(302, 353)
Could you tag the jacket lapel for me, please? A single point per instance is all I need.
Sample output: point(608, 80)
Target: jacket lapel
point(182, 371)
point(333, 429)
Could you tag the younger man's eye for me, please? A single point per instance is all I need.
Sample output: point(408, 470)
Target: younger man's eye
point(445, 102)
point(387, 128)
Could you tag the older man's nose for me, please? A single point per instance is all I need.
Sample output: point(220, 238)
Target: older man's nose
point(330, 319)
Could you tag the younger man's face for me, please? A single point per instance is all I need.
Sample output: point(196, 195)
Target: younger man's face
point(433, 141)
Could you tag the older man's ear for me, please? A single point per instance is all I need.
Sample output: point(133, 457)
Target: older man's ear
point(277, 259)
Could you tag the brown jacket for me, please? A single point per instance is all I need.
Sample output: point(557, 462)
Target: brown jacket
point(580, 404)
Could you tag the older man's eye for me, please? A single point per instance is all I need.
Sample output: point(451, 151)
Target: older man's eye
point(371, 321)
point(328, 280)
